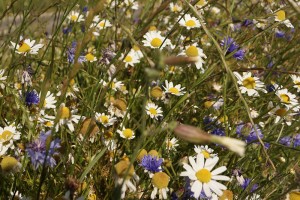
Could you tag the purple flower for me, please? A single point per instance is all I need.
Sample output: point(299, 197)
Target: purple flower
point(151, 163)
point(188, 194)
point(239, 55)
point(286, 141)
point(297, 140)
point(247, 183)
point(248, 132)
point(31, 97)
point(279, 34)
point(270, 88)
point(247, 22)
point(229, 44)
point(42, 150)
point(71, 54)
point(218, 131)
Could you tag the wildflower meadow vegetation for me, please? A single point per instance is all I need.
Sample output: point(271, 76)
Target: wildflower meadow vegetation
point(150, 99)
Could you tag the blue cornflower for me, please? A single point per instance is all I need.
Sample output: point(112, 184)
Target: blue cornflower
point(31, 97)
point(218, 131)
point(248, 132)
point(247, 183)
point(208, 125)
point(247, 22)
point(270, 88)
point(42, 150)
point(297, 140)
point(188, 194)
point(68, 29)
point(239, 55)
point(279, 34)
point(71, 54)
point(151, 163)
point(229, 44)
point(85, 9)
point(286, 141)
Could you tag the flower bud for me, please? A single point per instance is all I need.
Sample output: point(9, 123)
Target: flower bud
point(10, 164)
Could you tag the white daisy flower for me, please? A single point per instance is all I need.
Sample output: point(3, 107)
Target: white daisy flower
point(75, 17)
point(175, 7)
point(90, 57)
point(194, 51)
point(8, 135)
point(296, 81)
point(105, 120)
point(130, 59)
point(2, 78)
point(130, 177)
point(101, 24)
point(113, 84)
point(207, 152)
point(202, 178)
point(67, 117)
point(153, 110)
point(134, 4)
point(137, 51)
point(160, 182)
point(72, 89)
point(126, 133)
point(154, 40)
point(114, 111)
point(249, 84)
point(175, 90)
point(49, 101)
point(201, 3)
point(189, 22)
point(288, 99)
point(172, 144)
point(281, 17)
point(26, 46)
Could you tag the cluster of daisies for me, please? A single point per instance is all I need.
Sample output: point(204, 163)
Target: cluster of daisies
point(125, 98)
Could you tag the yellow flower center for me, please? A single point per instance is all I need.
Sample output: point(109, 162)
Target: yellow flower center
point(128, 59)
point(72, 82)
point(174, 90)
point(104, 119)
point(191, 51)
point(249, 83)
point(203, 175)
point(92, 197)
point(136, 48)
point(160, 180)
point(102, 24)
point(169, 144)
point(285, 98)
point(201, 3)
point(48, 124)
point(128, 133)
point(24, 48)
point(6, 135)
point(190, 23)
point(156, 42)
point(90, 57)
point(65, 113)
point(152, 28)
point(206, 154)
point(297, 83)
point(294, 195)
point(280, 15)
point(74, 18)
point(153, 111)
